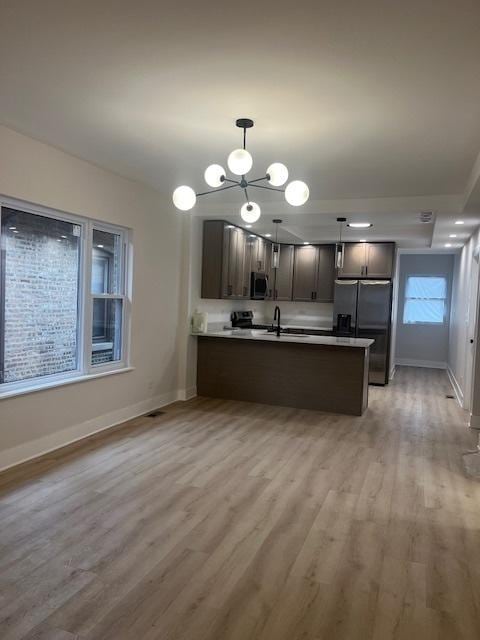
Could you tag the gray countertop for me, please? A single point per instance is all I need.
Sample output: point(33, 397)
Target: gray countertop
point(261, 334)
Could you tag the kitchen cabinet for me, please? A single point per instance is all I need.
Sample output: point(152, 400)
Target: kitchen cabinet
point(225, 261)
point(368, 260)
point(326, 273)
point(283, 275)
point(379, 256)
point(259, 254)
point(314, 273)
point(305, 273)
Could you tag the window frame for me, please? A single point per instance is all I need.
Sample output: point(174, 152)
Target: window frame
point(445, 300)
point(85, 369)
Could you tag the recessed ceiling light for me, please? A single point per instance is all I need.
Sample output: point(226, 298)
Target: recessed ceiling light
point(15, 231)
point(247, 226)
point(359, 225)
point(12, 228)
point(452, 235)
point(59, 239)
point(363, 240)
point(230, 226)
point(252, 235)
point(100, 246)
point(268, 235)
point(306, 243)
point(64, 237)
point(459, 222)
point(448, 244)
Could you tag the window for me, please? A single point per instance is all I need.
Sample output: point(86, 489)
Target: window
point(425, 300)
point(63, 303)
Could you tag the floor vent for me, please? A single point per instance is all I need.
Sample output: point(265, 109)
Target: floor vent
point(155, 413)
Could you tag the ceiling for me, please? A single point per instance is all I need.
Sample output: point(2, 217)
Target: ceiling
point(376, 105)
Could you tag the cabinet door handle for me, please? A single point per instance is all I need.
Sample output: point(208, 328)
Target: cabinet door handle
point(229, 290)
point(244, 291)
point(366, 270)
point(276, 294)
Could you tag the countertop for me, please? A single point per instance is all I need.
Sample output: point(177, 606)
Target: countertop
point(261, 334)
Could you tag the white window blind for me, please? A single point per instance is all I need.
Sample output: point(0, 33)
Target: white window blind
point(425, 300)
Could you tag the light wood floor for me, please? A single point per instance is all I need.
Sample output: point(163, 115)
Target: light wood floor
point(234, 521)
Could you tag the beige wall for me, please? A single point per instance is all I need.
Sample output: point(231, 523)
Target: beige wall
point(35, 172)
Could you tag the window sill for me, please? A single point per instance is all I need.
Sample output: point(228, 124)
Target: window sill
point(41, 386)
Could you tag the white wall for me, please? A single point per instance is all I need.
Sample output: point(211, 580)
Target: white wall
point(38, 173)
point(416, 344)
point(462, 324)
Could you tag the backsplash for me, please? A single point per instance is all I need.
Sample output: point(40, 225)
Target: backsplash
point(293, 313)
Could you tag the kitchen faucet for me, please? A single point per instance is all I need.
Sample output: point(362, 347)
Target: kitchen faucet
point(276, 316)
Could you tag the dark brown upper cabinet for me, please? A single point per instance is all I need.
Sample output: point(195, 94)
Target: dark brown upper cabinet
point(368, 260)
point(305, 273)
point(314, 273)
point(259, 254)
point(283, 274)
point(225, 261)
point(326, 273)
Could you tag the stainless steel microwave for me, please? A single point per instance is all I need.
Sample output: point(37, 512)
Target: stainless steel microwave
point(258, 285)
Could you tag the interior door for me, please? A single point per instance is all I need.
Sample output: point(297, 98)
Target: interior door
point(354, 260)
point(379, 260)
point(305, 273)
point(284, 273)
point(471, 317)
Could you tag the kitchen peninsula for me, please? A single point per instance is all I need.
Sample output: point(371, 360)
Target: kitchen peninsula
point(324, 373)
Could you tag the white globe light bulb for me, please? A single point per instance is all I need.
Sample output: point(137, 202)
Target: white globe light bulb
point(296, 193)
point(278, 173)
point(240, 162)
point(250, 212)
point(214, 175)
point(184, 198)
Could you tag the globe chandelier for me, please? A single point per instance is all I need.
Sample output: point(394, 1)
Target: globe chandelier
point(240, 163)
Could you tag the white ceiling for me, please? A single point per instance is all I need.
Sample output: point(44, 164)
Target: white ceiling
point(376, 105)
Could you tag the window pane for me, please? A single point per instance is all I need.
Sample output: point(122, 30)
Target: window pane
point(106, 262)
point(426, 287)
point(106, 331)
point(39, 274)
point(431, 311)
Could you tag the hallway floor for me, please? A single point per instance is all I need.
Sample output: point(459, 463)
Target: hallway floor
point(233, 521)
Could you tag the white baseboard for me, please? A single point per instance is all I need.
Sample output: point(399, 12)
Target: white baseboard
point(428, 364)
point(187, 394)
point(474, 422)
point(51, 442)
point(456, 387)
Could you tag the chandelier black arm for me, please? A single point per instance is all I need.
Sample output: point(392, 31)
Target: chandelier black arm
point(258, 179)
point(262, 186)
point(231, 186)
point(229, 180)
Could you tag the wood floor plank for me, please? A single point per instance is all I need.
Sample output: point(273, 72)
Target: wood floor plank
point(223, 520)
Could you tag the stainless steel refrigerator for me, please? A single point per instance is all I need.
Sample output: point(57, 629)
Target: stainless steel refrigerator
point(369, 303)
